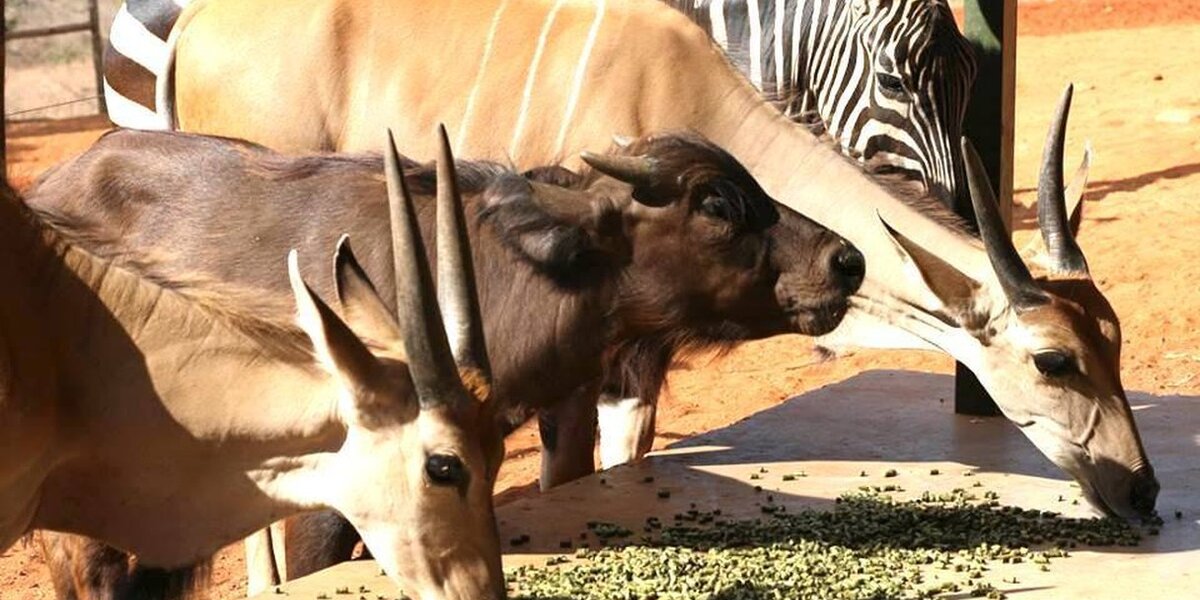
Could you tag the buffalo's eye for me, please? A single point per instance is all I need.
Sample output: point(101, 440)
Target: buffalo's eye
point(445, 469)
point(1055, 363)
point(891, 86)
point(718, 207)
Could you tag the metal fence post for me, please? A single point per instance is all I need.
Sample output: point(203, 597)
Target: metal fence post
point(97, 51)
point(991, 26)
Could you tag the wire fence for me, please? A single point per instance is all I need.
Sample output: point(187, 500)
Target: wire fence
point(92, 98)
point(91, 26)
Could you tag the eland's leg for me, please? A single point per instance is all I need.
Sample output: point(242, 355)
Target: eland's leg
point(568, 433)
point(626, 428)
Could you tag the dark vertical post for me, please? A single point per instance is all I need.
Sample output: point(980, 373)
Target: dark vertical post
point(3, 89)
point(97, 51)
point(991, 25)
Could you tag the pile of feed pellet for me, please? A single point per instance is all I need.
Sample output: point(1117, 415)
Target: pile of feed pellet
point(870, 546)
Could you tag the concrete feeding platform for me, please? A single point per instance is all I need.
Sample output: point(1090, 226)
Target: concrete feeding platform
point(872, 423)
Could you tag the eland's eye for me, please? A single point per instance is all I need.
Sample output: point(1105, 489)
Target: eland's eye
point(891, 85)
point(445, 469)
point(1055, 363)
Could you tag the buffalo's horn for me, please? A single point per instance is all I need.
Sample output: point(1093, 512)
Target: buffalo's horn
point(456, 274)
point(636, 170)
point(1064, 254)
point(430, 362)
point(1014, 276)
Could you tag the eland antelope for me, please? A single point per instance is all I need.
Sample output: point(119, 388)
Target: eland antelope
point(541, 80)
point(663, 246)
point(172, 416)
point(888, 80)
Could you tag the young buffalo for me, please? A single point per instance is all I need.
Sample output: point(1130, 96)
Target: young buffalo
point(587, 281)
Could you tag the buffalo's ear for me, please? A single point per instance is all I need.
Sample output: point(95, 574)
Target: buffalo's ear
point(554, 175)
point(562, 233)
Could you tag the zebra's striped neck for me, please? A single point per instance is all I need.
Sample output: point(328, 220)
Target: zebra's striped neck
point(778, 44)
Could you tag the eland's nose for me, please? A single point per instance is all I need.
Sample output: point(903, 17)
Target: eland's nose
point(1144, 492)
point(850, 267)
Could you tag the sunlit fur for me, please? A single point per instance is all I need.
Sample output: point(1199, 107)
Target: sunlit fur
point(649, 69)
point(119, 416)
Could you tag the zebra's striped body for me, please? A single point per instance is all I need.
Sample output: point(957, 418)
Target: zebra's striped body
point(137, 60)
point(888, 79)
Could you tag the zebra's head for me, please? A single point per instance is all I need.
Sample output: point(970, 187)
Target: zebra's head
point(916, 71)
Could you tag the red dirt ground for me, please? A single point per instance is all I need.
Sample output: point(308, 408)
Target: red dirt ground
point(1135, 100)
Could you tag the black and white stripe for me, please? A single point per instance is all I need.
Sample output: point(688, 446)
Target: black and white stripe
point(888, 79)
point(137, 59)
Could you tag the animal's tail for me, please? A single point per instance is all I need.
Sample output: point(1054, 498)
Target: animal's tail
point(138, 63)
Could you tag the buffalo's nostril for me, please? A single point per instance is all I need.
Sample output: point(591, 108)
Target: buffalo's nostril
point(1144, 492)
point(850, 264)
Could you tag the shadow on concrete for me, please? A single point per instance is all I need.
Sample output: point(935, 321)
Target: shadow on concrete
point(867, 424)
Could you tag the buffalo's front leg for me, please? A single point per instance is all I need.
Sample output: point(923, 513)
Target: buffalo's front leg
point(568, 438)
point(626, 428)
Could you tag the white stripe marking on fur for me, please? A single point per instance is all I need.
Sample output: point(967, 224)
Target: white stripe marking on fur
point(530, 78)
point(716, 18)
point(130, 114)
point(133, 41)
point(755, 43)
point(797, 29)
point(182, 3)
point(780, 10)
point(580, 71)
point(461, 140)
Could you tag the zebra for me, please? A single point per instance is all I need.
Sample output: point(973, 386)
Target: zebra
point(887, 80)
point(137, 61)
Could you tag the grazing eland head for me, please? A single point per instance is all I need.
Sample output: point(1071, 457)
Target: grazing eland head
point(420, 458)
point(1054, 342)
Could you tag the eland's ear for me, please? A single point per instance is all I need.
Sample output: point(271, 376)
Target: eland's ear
point(365, 312)
point(337, 348)
point(1074, 191)
point(1035, 249)
point(952, 287)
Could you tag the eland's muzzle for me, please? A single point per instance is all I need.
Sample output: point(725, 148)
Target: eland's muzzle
point(1143, 493)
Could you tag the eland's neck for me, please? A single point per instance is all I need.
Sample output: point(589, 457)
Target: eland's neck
point(810, 177)
point(170, 412)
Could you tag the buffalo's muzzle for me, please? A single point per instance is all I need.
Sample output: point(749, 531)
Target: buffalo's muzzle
point(849, 267)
